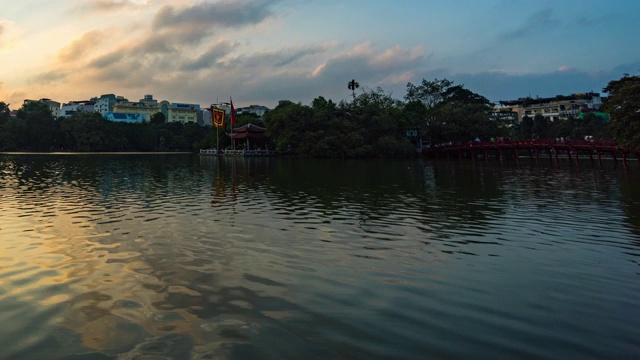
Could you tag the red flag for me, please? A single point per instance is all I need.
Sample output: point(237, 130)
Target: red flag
point(233, 113)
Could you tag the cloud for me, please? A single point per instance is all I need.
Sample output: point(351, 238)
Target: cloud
point(297, 60)
point(177, 31)
point(295, 73)
point(371, 67)
point(106, 60)
point(399, 79)
point(174, 26)
point(81, 46)
point(317, 71)
point(289, 57)
point(226, 13)
point(210, 57)
point(2, 27)
point(503, 86)
point(629, 68)
point(106, 5)
point(591, 21)
point(398, 55)
point(160, 44)
point(50, 77)
point(539, 21)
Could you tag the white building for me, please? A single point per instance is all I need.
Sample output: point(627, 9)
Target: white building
point(552, 108)
point(105, 103)
point(253, 109)
point(75, 107)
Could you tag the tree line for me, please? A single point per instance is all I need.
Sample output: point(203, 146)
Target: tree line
point(373, 124)
point(35, 129)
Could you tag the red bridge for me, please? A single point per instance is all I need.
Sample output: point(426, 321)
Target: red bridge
point(532, 148)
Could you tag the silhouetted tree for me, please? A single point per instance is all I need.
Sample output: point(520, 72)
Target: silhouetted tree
point(623, 104)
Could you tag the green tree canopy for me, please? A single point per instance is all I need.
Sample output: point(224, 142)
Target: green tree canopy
point(540, 127)
point(82, 132)
point(5, 113)
point(40, 124)
point(623, 104)
point(447, 112)
point(158, 118)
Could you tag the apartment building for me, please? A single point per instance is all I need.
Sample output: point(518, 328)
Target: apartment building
point(553, 108)
point(253, 109)
point(184, 113)
point(106, 102)
point(148, 106)
point(75, 107)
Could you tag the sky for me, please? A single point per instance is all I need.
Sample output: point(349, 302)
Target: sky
point(263, 51)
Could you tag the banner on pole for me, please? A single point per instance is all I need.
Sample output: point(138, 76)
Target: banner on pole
point(217, 117)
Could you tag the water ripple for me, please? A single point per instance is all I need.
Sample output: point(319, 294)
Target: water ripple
point(133, 257)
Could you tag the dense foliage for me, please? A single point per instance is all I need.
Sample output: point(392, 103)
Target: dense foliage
point(35, 129)
point(623, 104)
point(373, 124)
point(447, 112)
point(369, 126)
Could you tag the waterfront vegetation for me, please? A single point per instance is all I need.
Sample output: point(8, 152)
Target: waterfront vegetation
point(373, 124)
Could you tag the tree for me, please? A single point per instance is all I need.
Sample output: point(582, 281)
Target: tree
point(526, 128)
point(144, 139)
point(540, 126)
point(623, 104)
point(158, 119)
point(287, 124)
point(83, 132)
point(40, 124)
point(13, 135)
point(5, 113)
point(447, 112)
point(372, 126)
point(246, 118)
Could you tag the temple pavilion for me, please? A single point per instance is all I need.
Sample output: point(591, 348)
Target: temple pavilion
point(253, 137)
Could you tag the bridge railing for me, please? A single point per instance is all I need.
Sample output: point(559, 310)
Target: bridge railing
point(522, 144)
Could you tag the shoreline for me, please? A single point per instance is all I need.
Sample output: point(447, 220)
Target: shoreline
point(95, 153)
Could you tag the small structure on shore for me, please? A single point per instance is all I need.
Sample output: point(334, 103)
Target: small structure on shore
point(249, 137)
point(246, 140)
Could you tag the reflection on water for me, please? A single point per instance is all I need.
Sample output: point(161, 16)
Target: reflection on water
point(176, 256)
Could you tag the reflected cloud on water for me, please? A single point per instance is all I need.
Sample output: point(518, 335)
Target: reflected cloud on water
point(123, 257)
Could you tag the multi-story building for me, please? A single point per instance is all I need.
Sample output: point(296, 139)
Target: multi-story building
point(148, 106)
point(559, 107)
point(74, 107)
point(184, 113)
point(105, 103)
point(54, 106)
point(204, 117)
point(253, 109)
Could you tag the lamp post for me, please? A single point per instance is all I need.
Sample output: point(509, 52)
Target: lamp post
point(353, 85)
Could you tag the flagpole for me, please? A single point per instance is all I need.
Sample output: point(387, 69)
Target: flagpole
point(233, 121)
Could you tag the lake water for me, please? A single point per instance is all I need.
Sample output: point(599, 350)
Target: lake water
point(188, 257)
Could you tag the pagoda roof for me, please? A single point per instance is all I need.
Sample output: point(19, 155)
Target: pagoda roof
point(249, 131)
point(249, 128)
